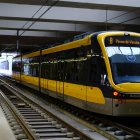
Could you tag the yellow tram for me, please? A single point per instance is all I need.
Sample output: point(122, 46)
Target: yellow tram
point(99, 72)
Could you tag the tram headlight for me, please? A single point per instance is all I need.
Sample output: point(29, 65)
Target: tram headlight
point(115, 93)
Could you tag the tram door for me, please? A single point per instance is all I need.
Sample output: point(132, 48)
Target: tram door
point(60, 80)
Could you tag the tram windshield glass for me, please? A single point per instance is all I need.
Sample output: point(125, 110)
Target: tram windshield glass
point(125, 60)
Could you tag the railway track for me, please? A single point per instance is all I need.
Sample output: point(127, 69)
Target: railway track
point(110, 129)
point(29, 121)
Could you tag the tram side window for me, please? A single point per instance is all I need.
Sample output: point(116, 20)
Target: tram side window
point(49, 67)
point(42, 70)
point(81, 65)
point(69, 71)
point(53, 67)
point(37, 66)
point(49, 71)
point(16, 66)
point(45, 70)
point(104, 77)
point(94, 71)
point(69, 66)
point(35, 71)
point(26, 66)
point(60, 66)
point(34, 66)
point(94, 64)
point(45, 66)
point(81, 71)
point(76, 66)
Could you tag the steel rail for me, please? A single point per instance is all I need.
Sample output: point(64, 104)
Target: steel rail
point(10, 106)
point(61, 121)
point(114, 126)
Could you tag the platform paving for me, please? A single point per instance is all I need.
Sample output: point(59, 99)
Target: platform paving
point(5, 130)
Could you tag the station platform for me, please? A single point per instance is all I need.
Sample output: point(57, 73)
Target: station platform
point(5, 130)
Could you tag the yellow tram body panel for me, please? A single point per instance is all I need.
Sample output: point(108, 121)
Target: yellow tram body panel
point(81, 92)
point(76, 91)
point(16, 76)
point(51, 85)
point(75, 44)
point(94, 94)
point(132, 87)
point(30, 79)
point(43, 83)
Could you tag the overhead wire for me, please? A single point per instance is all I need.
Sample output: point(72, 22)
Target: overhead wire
point(39, 17)
point(54, 5)
point(123, 14)
point(35, 13)
point(130, 19)
point(132, 11)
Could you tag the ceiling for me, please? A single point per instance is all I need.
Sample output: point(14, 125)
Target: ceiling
point(33, 24)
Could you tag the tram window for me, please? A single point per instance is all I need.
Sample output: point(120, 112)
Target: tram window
point(76, 66)
point(94, 71)
point(16, 66)
point(26, 66)
point(60, 65)
point(43, 70)
point(81, 71)
point(104, 77)
point(42, 66)
point(60, 70)
point(69, 66)
point(48, 67)
point(103, 66)
point(33, 71)
point(34, 66)
point(96, 46)
point(69, 71)
point(53, 71)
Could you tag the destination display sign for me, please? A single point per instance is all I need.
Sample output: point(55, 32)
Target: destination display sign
point(122, 41)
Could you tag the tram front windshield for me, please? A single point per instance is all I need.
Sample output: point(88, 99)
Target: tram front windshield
point(125, 63)
point(124, 56)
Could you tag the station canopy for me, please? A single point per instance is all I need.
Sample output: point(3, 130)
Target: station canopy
point(35, 24)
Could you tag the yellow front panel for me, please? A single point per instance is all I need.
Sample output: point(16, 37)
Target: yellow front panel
point(129, 87)
point(94, 94)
